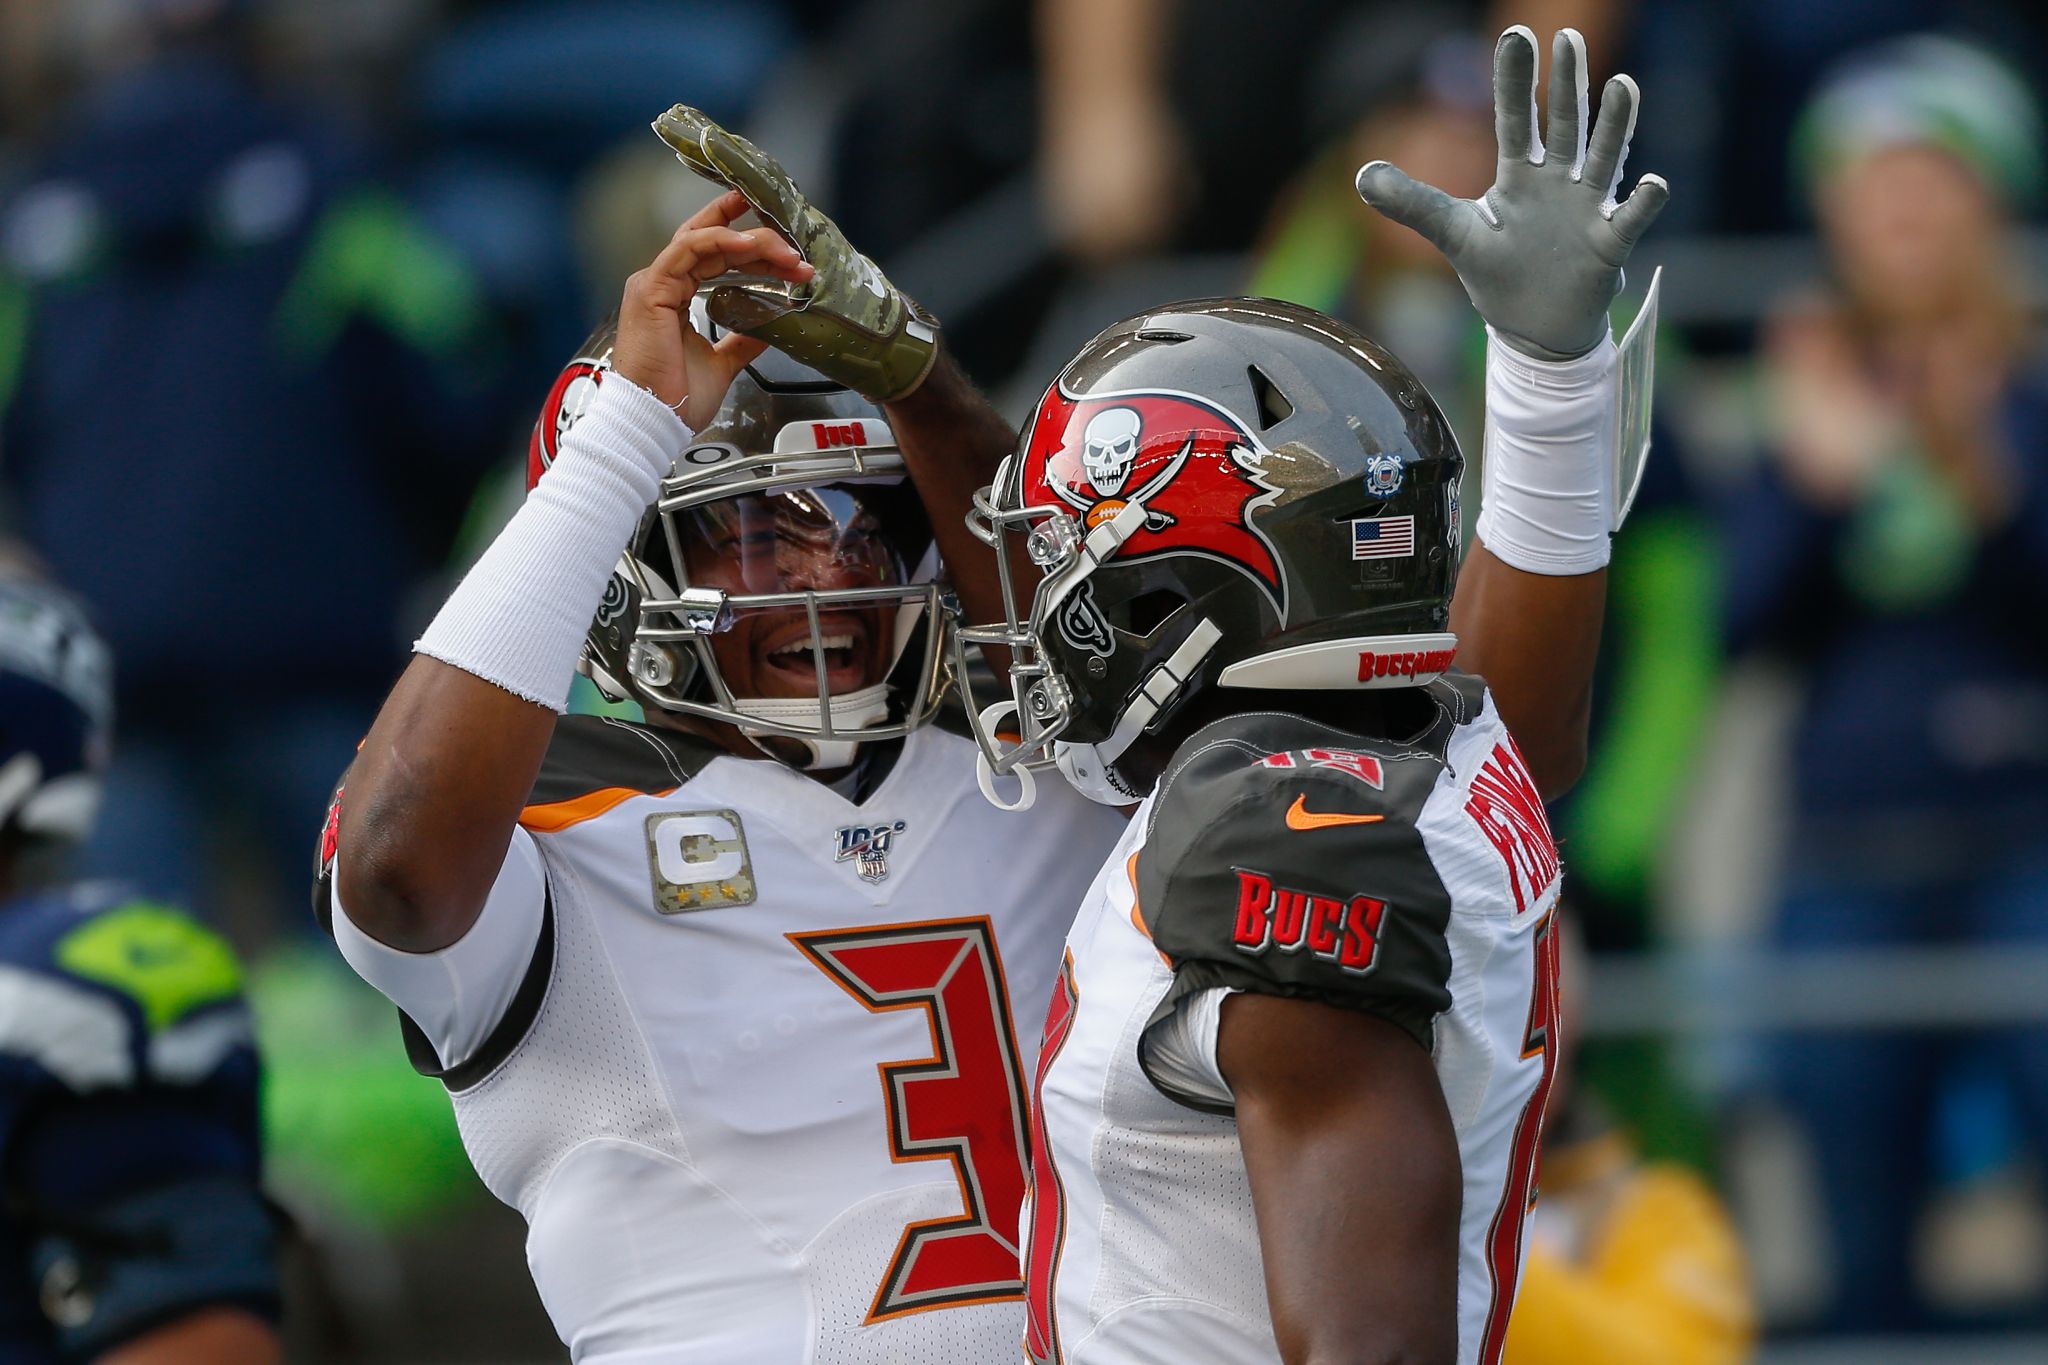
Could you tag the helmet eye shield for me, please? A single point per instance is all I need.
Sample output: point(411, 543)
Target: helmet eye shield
point(844, 639)
point(803, 538)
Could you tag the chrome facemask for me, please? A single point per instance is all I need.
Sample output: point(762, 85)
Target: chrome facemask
point(672, 661)
point(1040, 700)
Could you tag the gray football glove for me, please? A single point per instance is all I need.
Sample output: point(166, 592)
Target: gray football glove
point(1541, 252)
point(847, 322)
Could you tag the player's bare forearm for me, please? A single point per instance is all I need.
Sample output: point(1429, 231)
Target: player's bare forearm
point(953, 438)
point(430, 803)
point(1355, 1180)
point(211, 1336)
point(1534, 638)
point(1540, 255)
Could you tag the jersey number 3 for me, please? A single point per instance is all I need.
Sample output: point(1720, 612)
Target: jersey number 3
point(963, 1104)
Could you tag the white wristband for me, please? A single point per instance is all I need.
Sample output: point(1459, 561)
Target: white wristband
point(1547, 494)
point(518, 617)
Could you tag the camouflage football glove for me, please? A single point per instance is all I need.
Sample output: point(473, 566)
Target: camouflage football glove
point(847, 322)
point(1541, 252)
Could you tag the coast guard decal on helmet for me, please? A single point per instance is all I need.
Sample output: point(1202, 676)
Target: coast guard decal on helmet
point(568, 400)
point(1194, 469)
point(1384, 473)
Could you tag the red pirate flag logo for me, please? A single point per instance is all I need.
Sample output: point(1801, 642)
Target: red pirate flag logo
point(568, 400)
point(1196, 470)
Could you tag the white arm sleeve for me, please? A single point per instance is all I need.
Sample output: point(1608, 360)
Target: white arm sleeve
point(1546, 491)
point(458, 994)
point(1179, 1052)
point(518, 618)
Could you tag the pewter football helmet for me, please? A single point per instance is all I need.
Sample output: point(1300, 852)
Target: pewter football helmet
point(791, 460)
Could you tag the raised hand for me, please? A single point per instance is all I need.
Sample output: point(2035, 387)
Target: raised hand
point(1540, 254)
point(846, 321)
point(658, 348)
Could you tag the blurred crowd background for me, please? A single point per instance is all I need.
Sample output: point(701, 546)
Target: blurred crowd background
point(282, 283)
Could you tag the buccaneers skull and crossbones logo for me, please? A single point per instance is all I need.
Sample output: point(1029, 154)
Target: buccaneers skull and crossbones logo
point(1109, 452)
point(1109, 447)
point(1194, 469)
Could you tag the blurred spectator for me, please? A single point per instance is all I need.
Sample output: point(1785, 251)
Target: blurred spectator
point(1895, 545)
point(1418, 92)
point(1161, 120)
point(1143, 129)
point(1630, 1261)
point(242, 397)
point(513, 103)
point(1743, 69)
point(1114, 166)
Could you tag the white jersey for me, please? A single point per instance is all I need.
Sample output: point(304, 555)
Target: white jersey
point(752, 1059)
point(1414, 881)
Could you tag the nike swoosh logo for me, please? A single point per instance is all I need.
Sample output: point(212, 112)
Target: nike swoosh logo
point(1300, 818)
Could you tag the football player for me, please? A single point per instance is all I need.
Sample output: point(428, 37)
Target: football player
point(726, 1000)
point(136, 1232)
point(723, 1000)
point(1292, 1080)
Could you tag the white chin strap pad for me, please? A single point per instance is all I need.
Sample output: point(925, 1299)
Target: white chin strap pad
point(848, 711)
point(1094, 776)
point(1091, 768)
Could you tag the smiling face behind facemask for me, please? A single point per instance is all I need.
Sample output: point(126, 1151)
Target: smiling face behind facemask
point(816, 539)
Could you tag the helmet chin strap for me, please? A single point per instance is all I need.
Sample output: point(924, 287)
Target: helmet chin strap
point(848, 711)
point(1091, 768)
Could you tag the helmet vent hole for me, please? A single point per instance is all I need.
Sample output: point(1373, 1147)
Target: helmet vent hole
point(1273, 405)
point(1149, 610)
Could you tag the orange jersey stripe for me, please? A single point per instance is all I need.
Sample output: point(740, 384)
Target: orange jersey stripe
point(556, 816)
point(1137, 913)
point(1137, 919)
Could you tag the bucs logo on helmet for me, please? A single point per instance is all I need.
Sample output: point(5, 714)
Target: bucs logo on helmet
point(568, 400)
point(1195, 470)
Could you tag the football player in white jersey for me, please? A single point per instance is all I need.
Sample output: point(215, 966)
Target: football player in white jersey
point(723, 1000)
point(1292, 1082)
point(727, 1000)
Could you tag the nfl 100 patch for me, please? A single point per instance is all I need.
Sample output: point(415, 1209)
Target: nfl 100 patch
point(867, 848)
point(699, 861)
point(1382, 537)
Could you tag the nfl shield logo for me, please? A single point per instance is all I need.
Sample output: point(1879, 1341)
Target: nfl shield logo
point(867, 848)
point(1383, 474)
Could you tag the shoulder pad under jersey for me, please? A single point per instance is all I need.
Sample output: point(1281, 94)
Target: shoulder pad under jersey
point(1283, 857)
point(101, 988)
point(592, 764)
point(595, 762)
